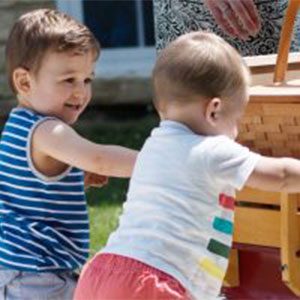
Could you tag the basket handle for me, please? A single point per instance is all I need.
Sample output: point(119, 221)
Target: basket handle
point(285, 41)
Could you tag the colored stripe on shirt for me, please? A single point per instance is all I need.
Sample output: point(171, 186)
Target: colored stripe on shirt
point(226, 201)
point(212, 269)
point(223, 225)
point(218, 248)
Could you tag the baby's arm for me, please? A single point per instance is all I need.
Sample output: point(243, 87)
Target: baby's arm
point(61, 142)
point(276, 174)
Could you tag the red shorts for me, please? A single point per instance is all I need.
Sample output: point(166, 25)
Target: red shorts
point(110, 276)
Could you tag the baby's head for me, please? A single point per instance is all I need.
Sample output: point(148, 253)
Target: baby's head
point(47, 52)
point(202, 81)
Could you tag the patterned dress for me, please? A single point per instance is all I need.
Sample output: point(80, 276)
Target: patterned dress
point(176, 17)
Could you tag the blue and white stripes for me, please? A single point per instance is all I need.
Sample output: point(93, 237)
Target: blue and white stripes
point(44, 224)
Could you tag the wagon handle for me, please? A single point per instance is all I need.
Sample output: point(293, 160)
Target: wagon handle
point(285, 41)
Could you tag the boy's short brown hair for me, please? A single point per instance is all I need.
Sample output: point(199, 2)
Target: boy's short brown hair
point(198, 64)
point(42, 30)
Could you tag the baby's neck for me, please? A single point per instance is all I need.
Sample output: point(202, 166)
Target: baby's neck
point(192, 117)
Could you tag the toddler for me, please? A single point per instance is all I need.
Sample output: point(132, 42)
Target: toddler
point(175, 233)
point(44, 232)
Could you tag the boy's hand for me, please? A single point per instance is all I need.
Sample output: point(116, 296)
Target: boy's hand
point(95, 180)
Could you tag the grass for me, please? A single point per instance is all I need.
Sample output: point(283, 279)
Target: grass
point(105, 204)
point(104, 219)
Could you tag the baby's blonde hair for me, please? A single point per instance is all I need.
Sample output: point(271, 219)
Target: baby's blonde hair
point(198, 64)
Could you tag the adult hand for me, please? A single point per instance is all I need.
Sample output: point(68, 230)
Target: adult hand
point(237, 18)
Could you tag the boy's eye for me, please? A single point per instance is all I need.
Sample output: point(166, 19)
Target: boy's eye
point(88, 80)
point(69, 80)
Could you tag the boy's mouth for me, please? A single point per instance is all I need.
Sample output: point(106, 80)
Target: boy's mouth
point(73, 106)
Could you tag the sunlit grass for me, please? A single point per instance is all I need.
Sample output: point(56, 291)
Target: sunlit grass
point(104, 219)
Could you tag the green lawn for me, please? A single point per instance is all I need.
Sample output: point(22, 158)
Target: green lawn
point(105, 204)
point(103, 220)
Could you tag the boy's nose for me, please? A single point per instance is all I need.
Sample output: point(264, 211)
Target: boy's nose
point(79, 89)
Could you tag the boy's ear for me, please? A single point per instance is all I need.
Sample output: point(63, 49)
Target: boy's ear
point(212, 110)
point(21, 80)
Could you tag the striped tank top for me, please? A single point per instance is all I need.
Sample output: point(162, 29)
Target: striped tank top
point(44, 223)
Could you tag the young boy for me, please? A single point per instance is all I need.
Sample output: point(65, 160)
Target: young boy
point(175, 233)
point(44, 232)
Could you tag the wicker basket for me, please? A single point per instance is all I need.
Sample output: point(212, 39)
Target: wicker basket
point(271, 125)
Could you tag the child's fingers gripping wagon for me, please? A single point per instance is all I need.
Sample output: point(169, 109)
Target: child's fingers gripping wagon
point(265, 260)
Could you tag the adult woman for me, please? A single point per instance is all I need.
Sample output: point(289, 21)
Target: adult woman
point(251, 26)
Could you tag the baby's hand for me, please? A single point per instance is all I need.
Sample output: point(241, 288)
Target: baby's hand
point(92, 179)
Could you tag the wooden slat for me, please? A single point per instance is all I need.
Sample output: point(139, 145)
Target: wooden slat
point(282, 92)
point(282, 120)
point(253, 109)
point(266, 77)
point(273, 109)
point(290, 242)
point(266, 63)
point(257, 226)
point(232, 277)
point(262, 68)
point(269, 94)
point(278, 110)
point(256, 196)
point(272, 128)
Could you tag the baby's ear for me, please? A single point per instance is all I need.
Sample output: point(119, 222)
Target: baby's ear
point(212, 110)
point(21, 81)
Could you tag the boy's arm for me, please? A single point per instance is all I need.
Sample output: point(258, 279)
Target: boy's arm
point(276, 174)
point(61, 142)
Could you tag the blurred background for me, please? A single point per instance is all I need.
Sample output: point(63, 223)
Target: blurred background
point(120, 111)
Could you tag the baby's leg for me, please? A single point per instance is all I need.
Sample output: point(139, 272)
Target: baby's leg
point(110, 276)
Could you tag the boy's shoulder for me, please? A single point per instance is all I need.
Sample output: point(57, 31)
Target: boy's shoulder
point(22, 121)
point(24, 113)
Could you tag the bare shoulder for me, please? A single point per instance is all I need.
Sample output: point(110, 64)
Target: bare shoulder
point(52, 135)
point(46, 140)
point(52, 127)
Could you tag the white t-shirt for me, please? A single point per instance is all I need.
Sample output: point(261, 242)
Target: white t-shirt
point(178, 216)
